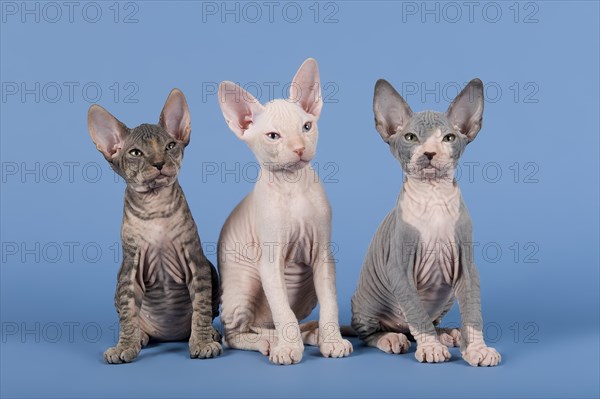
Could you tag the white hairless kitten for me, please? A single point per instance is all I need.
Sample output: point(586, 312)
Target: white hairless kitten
point(274, 257)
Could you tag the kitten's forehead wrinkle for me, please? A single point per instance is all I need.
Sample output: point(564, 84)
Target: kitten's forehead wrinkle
point(427, 122)
point(282, 116)
point(150, 134)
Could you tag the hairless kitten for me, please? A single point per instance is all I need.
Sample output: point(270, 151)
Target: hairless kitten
point(166, 287)
point(274, 257)
point(422, 254)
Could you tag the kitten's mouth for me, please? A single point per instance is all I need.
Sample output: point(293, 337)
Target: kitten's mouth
point(429, 167)
point(299, 164)
point(160, 179)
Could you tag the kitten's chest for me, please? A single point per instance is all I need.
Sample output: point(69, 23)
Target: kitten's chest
point(434, 215)
point(163, 261)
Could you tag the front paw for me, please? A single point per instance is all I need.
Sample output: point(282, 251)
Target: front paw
point(432, 352)
point(204, 349)
point(121, 354)
point(481, 355)
point(338, 347)
point(286, 353)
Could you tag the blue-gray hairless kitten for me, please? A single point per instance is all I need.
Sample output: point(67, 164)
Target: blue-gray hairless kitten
point(421, 257)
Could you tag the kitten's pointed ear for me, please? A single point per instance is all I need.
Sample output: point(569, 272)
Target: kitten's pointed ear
point(306, 88)
point(107, 131)
point(392, 113)
point(239, 107)
point(175, 117)
point(466, 111)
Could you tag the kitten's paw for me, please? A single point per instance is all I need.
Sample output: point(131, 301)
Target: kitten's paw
point(449, 336)
point(337, 347)
point(393, 343)
point(204, 350)
point(432, 352)
point(121, 354)
point(286, 353)
point(145, 338)
point(481, 355)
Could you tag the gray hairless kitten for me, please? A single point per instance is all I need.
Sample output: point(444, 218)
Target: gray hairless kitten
point(166, 287)
point(422, 254)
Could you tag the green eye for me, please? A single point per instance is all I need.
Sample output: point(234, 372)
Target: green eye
point(136, 153)
point(306, 126)
point(273, 136)
point(410, 137)
point(171, 145)
point(449, 138)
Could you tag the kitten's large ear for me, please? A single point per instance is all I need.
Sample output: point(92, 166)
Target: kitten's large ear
point(466, 111)
point(175, 117)
point(239, 107)
point(306, 88)
point(107, 131)
point(392, 113)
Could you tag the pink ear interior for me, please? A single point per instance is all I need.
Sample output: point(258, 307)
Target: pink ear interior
point(466, 111)
point(106, 131)
point(175, 116)
point(306, 88)
point(239, 107)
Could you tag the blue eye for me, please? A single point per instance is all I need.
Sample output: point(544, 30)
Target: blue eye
point(306, 126)
point(273, 136)
point(136, 153)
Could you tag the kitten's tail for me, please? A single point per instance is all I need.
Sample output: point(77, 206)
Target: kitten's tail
point(348, 331)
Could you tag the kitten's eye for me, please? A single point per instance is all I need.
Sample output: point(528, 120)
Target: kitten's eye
point(136, 153)
point(449, 138)
point(171, 145)
point(273, 136)
point(306, 126)
point(410, 137)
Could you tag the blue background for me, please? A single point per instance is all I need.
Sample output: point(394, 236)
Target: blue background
point(540, 303)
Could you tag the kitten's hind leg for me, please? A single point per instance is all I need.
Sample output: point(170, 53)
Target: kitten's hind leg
point(250, 341)
point(310, 333)
point(370, 332)
point(144, 339)
point(449, 336)
point(261, 339)
point(389, 342)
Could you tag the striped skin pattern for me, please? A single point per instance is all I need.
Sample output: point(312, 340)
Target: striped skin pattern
point(166, 288)
point(274, 250)
point(421, 257)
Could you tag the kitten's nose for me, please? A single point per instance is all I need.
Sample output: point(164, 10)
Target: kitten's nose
point(158, 165)
point(300, 151)
point(429, 155)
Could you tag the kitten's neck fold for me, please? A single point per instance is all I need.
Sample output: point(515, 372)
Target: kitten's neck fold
point(285, 180)
point(160, 202)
